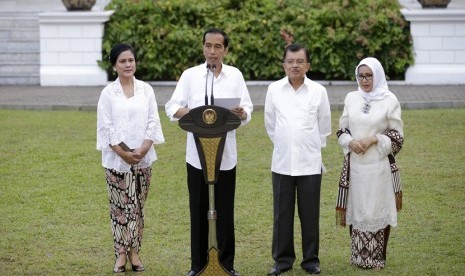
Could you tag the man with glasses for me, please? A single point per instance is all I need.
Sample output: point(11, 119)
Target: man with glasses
point(297, 120)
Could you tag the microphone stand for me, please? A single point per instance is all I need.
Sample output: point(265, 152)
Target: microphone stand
point(206, 82)
point(212, 99)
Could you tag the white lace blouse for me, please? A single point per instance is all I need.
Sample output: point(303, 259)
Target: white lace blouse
point(371, 202)
point(129, 120)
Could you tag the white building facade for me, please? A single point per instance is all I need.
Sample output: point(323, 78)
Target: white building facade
point(70, 42)
point(439, 43)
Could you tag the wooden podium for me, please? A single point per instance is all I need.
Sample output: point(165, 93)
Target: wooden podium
point(210, 124)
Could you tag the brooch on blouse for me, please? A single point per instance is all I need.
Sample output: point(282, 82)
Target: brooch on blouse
point(366, 106)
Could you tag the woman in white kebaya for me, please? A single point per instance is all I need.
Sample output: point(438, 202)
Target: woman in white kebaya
point(370, 134)
point(128, 125)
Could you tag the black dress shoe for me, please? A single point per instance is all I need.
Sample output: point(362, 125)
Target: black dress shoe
point(191, 273)
point(314, 269)
point(275, 270)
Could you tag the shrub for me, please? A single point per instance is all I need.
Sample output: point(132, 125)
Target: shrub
point(167, 35)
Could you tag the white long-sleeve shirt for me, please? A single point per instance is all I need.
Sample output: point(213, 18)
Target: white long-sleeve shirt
point(297, 123)
point(190, 92)
point(129, 120)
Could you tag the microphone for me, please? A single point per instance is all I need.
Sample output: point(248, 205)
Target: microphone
point(206, 81)
point(212, 99)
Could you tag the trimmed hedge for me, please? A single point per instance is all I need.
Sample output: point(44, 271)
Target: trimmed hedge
point(167, 35)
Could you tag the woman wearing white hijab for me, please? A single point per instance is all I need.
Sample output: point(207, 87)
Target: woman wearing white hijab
point(370, 134)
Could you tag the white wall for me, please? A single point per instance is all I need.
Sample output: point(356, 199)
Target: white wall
point(439, 43)
point(70, 46)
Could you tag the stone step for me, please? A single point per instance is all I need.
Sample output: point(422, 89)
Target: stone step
point(19, 14)
point(19, 21)
point(20, 57)
point(19, 68)
point(17, 45)
point(19, 48)
point(19, 79)
point(19, 24)
point(31, 5)
point(19, 34)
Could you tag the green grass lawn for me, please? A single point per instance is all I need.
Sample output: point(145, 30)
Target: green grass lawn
point(55, 218)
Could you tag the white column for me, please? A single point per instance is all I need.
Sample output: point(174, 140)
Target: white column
point(439, 44)
point(70, 46)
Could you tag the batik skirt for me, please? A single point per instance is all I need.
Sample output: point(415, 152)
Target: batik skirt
point(127, 193)
point(368, 248)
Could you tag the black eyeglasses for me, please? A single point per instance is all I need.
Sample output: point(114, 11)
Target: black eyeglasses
point(368, 77)
point(291, 62)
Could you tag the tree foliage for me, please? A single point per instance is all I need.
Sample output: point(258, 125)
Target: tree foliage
point(167, 35)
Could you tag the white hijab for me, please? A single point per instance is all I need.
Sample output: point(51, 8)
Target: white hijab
point(380, 86)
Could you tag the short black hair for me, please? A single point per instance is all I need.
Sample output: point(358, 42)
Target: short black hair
point(118, 49)
point(295, 48)
point(217, 31)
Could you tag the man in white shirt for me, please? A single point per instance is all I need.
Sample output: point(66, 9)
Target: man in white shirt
point(297, 120)
point(190, 92)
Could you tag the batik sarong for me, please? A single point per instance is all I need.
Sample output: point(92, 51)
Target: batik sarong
point(368, 248)
point(127, 193)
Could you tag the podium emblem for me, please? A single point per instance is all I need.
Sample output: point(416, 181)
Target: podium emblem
point(209, 116)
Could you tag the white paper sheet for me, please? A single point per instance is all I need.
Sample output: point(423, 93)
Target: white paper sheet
point(228, 102)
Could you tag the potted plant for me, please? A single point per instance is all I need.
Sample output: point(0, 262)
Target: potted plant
point(79, 5)
point(434, 3)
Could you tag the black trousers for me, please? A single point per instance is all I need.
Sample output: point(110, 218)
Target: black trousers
point(224, 204)
point(285, 188)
